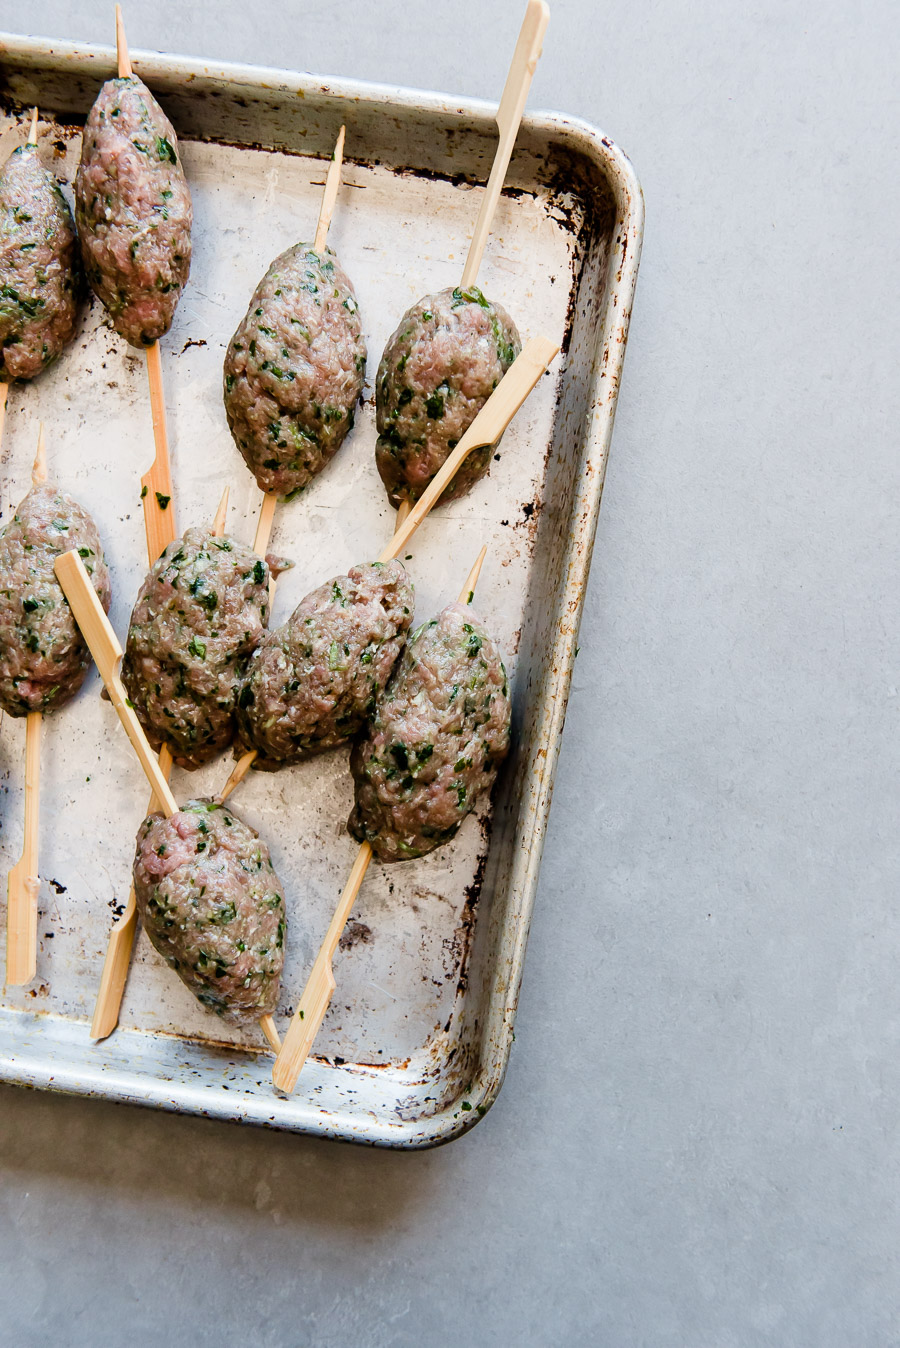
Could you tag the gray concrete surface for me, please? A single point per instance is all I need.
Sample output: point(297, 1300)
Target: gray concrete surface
point(697, 1140)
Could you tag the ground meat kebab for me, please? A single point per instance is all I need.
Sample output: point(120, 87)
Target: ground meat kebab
point(40, 271)
point(294, 369)
point(133, 210)
point(199, 615)
point(311, 683)
point(213, 907)
point(439, 368)
point(439, 732)
point(43, 656)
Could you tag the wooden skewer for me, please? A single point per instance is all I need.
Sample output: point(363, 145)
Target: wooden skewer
point(320, 985)
point(124, 60)
point(104, 647)
point(23, 881)
point(32, 133)
point(156, 484)
point(329, 196)
point(486, 429)
point(218, 524)
point(121, 943)
point(265, 522)
point(122, 936)
point(509, 116)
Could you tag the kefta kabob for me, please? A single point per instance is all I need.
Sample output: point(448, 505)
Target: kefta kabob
point(200, 613)
point(295, 367)
point(211, 902)
point(40, 268)
point(433, 746)
point(43, 663)
point(450, 350)
point(134, 215)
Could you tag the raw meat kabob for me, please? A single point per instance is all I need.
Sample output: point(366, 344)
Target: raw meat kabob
point(133, 210)
point(432, 747)
point(40, 270)
point(295, 367)
point(199, 615)
point(208, 894)
point(311, 684)
point(451, 349)
point(43, 663)
point(123, 933)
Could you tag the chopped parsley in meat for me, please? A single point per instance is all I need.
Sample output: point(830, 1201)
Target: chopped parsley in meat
point(199, 615)
point(310, 684)
point(213, 907)
point(443, 362)
point(437, 736)
point(294, 369)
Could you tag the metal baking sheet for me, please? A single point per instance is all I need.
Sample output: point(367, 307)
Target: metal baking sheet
point(415, 1044)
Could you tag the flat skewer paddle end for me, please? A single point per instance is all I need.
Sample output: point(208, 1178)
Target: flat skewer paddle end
point(32, 133)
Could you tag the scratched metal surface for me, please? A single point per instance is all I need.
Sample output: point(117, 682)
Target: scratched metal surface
point(415, 1044)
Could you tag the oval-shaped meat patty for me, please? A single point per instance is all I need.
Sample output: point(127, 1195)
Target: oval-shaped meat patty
point(43, 657)
point(199, 615)
point(435, 741)
point(310, 684)
point(439, 368)
point(213, 907)
point(294, 369)
point(40, 270)
point(133, 210)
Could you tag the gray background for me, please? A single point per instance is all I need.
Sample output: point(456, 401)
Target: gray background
point(697, 1139)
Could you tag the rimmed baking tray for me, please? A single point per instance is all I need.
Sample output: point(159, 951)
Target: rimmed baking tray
point(416, 1042)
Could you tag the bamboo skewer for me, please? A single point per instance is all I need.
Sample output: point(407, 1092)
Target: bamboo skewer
point(122, 57)
point(320, 985)
point(509, 117)
point(104, 646)
point(23, 881)
point(329, 196)
point(122, 936)
point(156, 484)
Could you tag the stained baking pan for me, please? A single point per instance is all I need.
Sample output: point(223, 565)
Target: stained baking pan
point(416, 1042)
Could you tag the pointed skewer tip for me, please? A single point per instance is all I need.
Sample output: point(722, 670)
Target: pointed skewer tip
point(218, 525)
point(122, 57)
point(39, 470)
